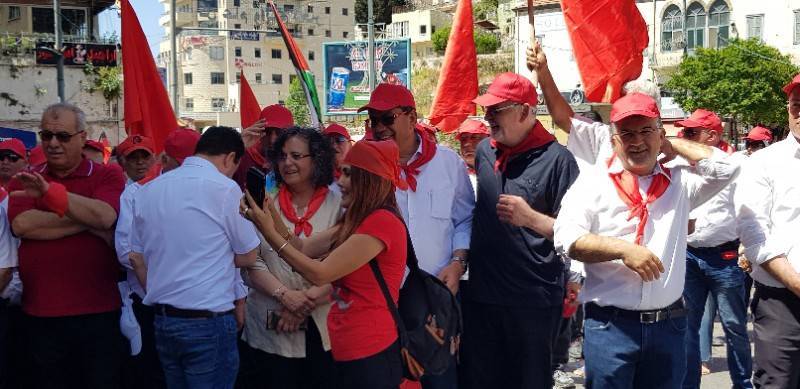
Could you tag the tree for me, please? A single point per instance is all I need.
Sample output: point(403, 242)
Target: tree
point(439, 39)
point(382, 10)
point(742, 81)
point(485, 42)
point(297, 104)
point(486, 9)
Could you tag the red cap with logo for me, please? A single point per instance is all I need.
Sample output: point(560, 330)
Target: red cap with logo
point(276, 116)
point(336, 129)
point(379, 158)
point(759, 133)
point(94, 144)
point(135, 142)
point(181, 144)
point(634, 104)
point(702, 118)
point(388, 96)
point(509, 87)
point(790, 86)
point(15, 146)
point(471, 126)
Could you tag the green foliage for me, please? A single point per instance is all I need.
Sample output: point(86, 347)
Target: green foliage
point(485, 42)
point(296, 103)
point(742, 81)
point(381, 9)
point(105, 79)
point(486, 9)
point(14, 46)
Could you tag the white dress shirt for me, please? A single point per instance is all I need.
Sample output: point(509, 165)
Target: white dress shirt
point(768, 205)
point(187, 225)
point(8, 255)
point(122, 235)
point(439, 213)
point(592, 205)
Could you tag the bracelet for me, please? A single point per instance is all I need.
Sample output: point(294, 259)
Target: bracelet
point(281, 248)
point(279, 292)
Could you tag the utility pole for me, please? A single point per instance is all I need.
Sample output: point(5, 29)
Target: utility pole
point(371, 45)
point(59, 50)
point(685, 37)
point(173, 84)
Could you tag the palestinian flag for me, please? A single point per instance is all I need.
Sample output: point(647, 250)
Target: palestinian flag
point(303, 71)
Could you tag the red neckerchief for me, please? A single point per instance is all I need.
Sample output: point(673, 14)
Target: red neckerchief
point(627, 185)
point(301, 224)
point(428, 151)
point(536, 138)
point(254, 152)
point(724, 146)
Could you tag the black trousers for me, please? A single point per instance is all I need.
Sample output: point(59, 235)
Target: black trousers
point(383, 370)
point(507, 347)
point(76, 351)
point(776, 327)
point(261, 370)
point(143, 370)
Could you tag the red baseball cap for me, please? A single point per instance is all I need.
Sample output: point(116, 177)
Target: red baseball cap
point(381, 158)
point(336, 129)
point(471, 126)
point(37, 156)
point(790, 86)
point(94, 144)
point(181, 143)
point(388, 96)
point(15, 146)
point(702, 118)
point(276, 116)
point(759, 133)
point(135, 142)
point(634, 104)
point(509, 87)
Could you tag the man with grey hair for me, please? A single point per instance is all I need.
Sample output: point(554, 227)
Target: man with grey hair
point(64, 213)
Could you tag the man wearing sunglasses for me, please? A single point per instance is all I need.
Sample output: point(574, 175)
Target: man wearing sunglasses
point(258, 140)
point(12, 159)
point(64, 212)
point(438, 205)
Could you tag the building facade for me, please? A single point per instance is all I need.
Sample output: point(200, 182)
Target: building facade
point(419, 26)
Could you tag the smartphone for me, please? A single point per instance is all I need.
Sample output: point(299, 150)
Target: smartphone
point(273, 317)
point(271, 184)
point(256, 182)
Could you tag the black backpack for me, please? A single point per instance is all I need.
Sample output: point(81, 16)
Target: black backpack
point(428, 319)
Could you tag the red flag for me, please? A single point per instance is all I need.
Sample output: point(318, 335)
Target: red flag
point(608, 40)
point(458, 80)
point(248, 104)
point(147, 108)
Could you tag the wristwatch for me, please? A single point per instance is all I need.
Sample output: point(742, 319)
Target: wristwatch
point(461, 261)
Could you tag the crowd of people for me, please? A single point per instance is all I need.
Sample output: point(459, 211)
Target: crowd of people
point(161, 269)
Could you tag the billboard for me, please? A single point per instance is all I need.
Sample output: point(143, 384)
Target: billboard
point(345, 65)
point(78, 54)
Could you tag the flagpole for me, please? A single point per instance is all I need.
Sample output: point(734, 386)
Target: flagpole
point(174, 58)
point(533, 37)
point(371, 45)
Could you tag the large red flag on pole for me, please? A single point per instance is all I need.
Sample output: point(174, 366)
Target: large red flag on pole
point(147, 108)
point(608, 40)
point(458, 80)
point(248, 104)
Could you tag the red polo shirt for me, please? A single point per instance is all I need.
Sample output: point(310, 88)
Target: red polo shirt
point(77, 274)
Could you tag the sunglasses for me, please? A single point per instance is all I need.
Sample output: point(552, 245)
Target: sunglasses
point(62, 136)
point(691, 132)
point(386, 120)
point(339, 139)
point(10, 157)
point(491, 113)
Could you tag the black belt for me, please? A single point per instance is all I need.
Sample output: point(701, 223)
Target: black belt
point(727, 246)
point(169, 310)
point(674, 310)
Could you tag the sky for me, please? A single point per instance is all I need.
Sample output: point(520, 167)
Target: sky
point(148, 11)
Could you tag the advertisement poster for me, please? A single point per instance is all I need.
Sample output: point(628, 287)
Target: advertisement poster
point(346, 70)
point(78, 54)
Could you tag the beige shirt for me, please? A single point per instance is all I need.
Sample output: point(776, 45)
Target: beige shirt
point(289, 345)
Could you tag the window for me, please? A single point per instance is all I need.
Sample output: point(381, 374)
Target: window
point(718, 24)
point(257, 52)
point(187, 78)
point(276, 53)
point(236, 3)
point(345, 34)
point(255, 3)
point(238, 78)
point(187, 53)
point(207, 5)
point(327, 10)
point(217, 104)
point(277, 78)
point(327, 33)
point(188, 104)
point(400, 29)
point(258, 78)
point(73, 21)
point(423, 29)
point(797, 27)
point(310, 32)
point(237, 26)
point(217, 78)
point(344, 11)
point(695, 26)
point(216, 53)
point(755, 26)
point(310, 55)
point(13, 13)
point(281, 102)
point(311, 9)
point(288, 8)
point(237, 51)
point(672, 29)
point(433, 29)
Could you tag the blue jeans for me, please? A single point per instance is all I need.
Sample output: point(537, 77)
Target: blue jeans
point(707, 329)
point(622, 353)
point(198, 353)
point(707, 273)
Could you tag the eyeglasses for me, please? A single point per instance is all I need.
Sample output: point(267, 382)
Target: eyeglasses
point(627, 136)
point(692, 132)
point(10, 157)
point(490, 113)
point(62, 136)
point(293, 156)
point(386, 120)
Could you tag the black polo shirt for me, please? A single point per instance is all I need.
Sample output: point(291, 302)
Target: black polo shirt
point(515, 266)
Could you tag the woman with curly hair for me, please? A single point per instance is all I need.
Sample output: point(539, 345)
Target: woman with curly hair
point(285, 326)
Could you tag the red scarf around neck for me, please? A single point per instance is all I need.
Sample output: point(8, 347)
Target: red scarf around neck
point(627, 185)
point(411, 170)
point(538, 137)
point(301, 224)
point(726, 147)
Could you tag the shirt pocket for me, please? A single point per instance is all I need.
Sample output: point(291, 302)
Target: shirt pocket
point(530, 191)
point(441, 202)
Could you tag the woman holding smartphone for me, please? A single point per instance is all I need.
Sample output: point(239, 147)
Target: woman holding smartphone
point(286, 316)
point(362, 330)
